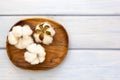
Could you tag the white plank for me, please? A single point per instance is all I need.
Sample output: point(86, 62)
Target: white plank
point(78, 65)
point(84, 32)
point(60, 7)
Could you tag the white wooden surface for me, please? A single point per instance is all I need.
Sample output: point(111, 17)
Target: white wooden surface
point(60, 7)
point(93, 27)
point(79, 65)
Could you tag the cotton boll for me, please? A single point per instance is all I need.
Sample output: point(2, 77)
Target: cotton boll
point(44, 29)
point(27, 40)
point(36, 37)
point(42, 54)
point(32, 48)
point(35, 61)
point(37, 27)
point(29, 57)
point(20, 45)
point(46, 24)
point(26, 30)
point(12, 39)
point(47, 39)
point(40, 49)
point(17, 31)
point(35, 49)
point(52, 31)
point(24, 42)
point(41, 59)
point(20, 36)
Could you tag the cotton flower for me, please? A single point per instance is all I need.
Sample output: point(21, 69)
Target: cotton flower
point(44, 33)
point(35, 54)
point(20, 36)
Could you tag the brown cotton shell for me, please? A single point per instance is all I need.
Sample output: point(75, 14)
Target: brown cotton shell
point(55, 52)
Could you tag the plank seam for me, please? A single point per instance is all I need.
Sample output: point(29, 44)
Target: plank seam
point(84, 48)
point(59, 14)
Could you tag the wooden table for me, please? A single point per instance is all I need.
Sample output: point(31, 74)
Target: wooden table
point(93, 27)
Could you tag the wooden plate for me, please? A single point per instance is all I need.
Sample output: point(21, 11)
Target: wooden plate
point(55, 52)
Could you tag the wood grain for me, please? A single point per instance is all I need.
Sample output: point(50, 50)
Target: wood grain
point(55, 52)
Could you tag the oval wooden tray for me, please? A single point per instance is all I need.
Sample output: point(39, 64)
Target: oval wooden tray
point(55, 52)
